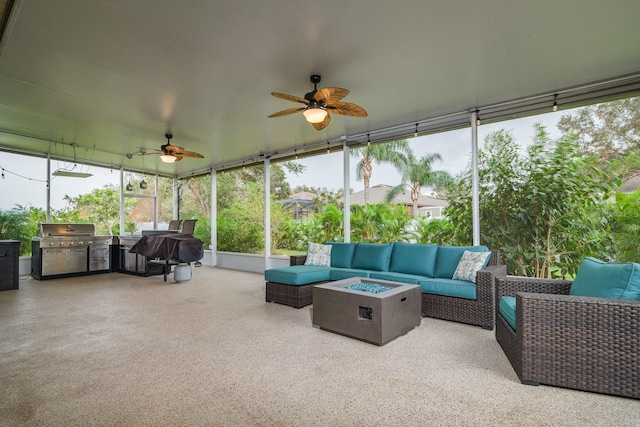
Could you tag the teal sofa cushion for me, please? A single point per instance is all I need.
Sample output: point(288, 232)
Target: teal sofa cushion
point(342, 254)
point(412, 258)
point(372, 256)
point(347, 273)
point(298, 274)
point(449, 257)
point(397, 277)
point(597, 278)
point(448, 288)
point(507, 309)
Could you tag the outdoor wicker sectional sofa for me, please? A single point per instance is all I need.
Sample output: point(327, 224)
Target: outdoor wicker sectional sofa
point(430, 266)
point(583, 334)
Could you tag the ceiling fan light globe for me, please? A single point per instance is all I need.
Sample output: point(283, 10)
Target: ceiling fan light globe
point(168, 158)
point(315, 114)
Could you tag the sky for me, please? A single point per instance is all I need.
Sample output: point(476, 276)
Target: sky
point(23, 180)
point(454, 147)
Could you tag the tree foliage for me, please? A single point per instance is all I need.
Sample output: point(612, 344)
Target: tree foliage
point(544, 209)
point(608, 130)
point(396, 153)
point(625, 226)
point(417, 174)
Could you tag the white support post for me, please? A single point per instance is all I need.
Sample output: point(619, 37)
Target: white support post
point(122, 213)
point(475, 192)
point(48, 217)
point(176, 199)
point(346, 188)
point(214, 219)
point(155, 202)
point(267, 214)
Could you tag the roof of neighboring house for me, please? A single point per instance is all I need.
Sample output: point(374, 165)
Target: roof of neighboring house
point(304, 195)
point(302, 199)
point(378, 194)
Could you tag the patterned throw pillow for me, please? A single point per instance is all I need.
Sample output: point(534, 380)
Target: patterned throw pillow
point(319, 255)
point(469, 264)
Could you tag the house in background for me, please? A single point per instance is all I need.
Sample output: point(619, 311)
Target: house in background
point(301, 204)
point(427, 206)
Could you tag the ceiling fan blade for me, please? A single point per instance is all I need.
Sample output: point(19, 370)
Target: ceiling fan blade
point(286, 112)
point(290, 97)
point(330, 95)
point(347, 109)
point(191, 154)
point(323, 124)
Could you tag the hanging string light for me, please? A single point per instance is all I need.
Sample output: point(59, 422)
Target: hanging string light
point(368, 141)
point(478, 121)
point(555, 103)
point(415, 134)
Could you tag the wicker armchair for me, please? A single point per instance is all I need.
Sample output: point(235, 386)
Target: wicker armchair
point(584, 343)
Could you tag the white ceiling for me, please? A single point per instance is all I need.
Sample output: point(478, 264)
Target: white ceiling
point(115, 75)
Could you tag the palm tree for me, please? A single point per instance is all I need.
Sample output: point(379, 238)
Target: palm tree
point(396, 153)
point(418, 174)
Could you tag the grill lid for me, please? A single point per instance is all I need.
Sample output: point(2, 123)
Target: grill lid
point(65, 229)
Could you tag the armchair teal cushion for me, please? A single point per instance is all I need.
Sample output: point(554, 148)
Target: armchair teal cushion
point(449, 257)
point(342, 254)
point(372, 256)
point(507, 309)
point(413, 258)
point(601, 279)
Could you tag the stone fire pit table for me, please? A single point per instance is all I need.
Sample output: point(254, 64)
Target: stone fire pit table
point(374, 314)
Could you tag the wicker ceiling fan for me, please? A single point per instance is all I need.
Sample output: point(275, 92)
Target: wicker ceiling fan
point(171, 153)
point(320, 104)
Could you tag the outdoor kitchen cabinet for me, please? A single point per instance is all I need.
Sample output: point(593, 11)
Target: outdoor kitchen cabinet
point(9, 264)
point(131, 263)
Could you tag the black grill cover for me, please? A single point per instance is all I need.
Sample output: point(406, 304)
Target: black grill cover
point(178, 247)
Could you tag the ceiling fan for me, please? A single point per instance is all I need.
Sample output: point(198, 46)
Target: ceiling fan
point(171, 153)
point(320, 104)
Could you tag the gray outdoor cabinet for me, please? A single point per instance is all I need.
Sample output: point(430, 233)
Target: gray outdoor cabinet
point(9, 263)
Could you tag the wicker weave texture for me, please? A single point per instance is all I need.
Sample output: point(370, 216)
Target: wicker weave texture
point(589, 344)
point(479, 312)
point(291, 295)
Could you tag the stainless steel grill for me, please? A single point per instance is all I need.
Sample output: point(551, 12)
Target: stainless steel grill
point(68, 249)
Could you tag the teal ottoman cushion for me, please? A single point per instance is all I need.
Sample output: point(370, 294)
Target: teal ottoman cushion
point(449, 257)
point(298, 274)
point(347, 273)
point(449, 288)
point(341, 254)
point(507, 309)
point(412, 258)
point(372, 256)
point(601, 279)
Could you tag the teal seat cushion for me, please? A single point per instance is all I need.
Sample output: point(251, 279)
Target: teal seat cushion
point(448, 288)
point(298, 274)
point(449, 257)
point(507, 309)
point(601, 279)
point(412, 258)
point(347, 273)
point(397, 277)
point(341, 254)
point(372, 256)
